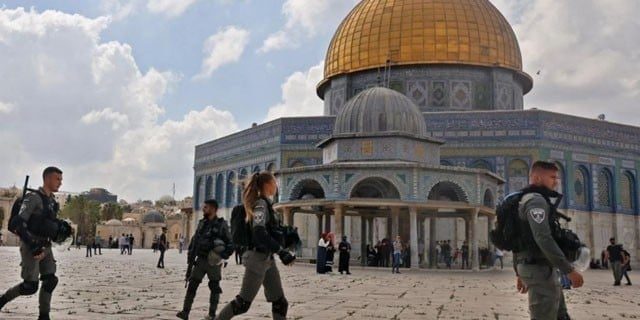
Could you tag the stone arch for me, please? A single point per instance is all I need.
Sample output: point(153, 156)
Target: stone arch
point(628, 191)
point(307, 189)
point(518, 174)
point(581, 182)
point(447, 191)
point(208, 189)
point(240, 185)
point(481, 164)
point(488, 199)
point(375, 187)
point(231, 181)
point(605, 190)
point(219, 188)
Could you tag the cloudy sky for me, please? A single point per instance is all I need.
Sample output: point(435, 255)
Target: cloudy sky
point(117, 93)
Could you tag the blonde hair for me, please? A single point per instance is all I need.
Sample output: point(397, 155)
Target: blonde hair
point(253, 188)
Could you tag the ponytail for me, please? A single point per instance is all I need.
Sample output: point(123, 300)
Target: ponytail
point(252, 191)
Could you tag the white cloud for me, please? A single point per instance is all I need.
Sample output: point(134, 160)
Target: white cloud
point(587, 53)
point(305, 19)
point(94, 112)
point(119, 10)
point(6, 107)
point(299, 96)
point(169, 8)
point(222, 48)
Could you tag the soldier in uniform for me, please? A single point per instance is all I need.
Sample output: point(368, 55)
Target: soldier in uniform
point(537, 265)
point(210, 244)
point(260, 265)
point(37, 226)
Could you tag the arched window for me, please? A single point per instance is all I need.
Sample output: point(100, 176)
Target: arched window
point(271, 167)
point(255, 169)
point(196, 194)
point(219, 188)
point(382, 122)
point(605, 188)
point(241, 178)
point(230, 188)
point(580, 186)
point(628, 191)
point(488, 199)
point(208, 189)
point(518, 175)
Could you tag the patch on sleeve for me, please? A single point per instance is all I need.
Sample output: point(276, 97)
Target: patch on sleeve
point(537, 214)
point(258, 215)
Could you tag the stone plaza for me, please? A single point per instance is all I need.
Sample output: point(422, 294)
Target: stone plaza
point(114, 286)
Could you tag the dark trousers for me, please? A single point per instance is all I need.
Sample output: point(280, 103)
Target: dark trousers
point(465, 261)
point(130, 248)
point(89, 251)
point(161, 260)
point(97, 249)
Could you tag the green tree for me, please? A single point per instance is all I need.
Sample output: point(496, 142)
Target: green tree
point(111, 211)
point(84, 212)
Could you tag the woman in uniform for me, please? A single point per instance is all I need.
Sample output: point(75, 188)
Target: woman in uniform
point(259, 262)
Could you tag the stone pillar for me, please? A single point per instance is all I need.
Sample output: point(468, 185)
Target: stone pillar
point(363, 241)
point(395, 223)
point(338, 216)
point(413, 222)
point(369, 222)
point(433, 234)
point(319, 216)
point(327, 222)
point(475, 262)
point(490, 225)
point(288, 216)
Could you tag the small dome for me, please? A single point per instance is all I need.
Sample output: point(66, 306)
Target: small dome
point(113, 222)
point(378, 110)
point(153, 217)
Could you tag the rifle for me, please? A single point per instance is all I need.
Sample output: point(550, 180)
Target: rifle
point(26, 186)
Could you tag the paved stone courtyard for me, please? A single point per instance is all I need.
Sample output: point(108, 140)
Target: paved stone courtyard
point(112, 286)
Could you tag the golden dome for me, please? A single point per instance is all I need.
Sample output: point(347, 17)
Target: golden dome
point(406, 32)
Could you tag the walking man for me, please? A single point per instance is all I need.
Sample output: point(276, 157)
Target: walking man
point(130, 241)
point(465, 255)
point(397, 254)
point(37, 226)
point(614, 255)
point(162, 246)
point(209, 246)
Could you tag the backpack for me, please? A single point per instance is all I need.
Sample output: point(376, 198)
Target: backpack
point(15, 210)
point(240, 228)
point(507, 233)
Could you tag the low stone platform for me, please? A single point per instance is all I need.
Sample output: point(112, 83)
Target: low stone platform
point(112, 286)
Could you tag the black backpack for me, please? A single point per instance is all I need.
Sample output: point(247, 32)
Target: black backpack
point(15, 210)
point(240, 228)
point(506, 235)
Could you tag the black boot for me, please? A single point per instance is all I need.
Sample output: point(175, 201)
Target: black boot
point(183, 315)
point(44, 317)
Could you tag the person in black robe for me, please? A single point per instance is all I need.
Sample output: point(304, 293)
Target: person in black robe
point(345, 254)
point(321, 257)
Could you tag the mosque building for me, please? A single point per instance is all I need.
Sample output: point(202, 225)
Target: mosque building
point(424, 130)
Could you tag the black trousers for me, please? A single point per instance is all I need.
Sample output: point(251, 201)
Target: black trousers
point(88, 251)
point(161, 260)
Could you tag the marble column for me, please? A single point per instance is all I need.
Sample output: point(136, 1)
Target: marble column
point(395, 223)
point(327, 222)
point(338, 217)
point(475, 262)
point(433, 234)
point(363, 241)
point(490, 225)
point(320, 231)
point(413, 222)
point(288, 216)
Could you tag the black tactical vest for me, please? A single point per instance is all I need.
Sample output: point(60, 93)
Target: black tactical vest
point(527, 241)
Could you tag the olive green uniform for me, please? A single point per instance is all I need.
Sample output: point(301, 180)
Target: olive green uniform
point(538, 268)
point(207, 231)
point(31, 269)
point(260, 270)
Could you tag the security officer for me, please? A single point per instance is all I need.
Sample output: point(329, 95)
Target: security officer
point(210, 244)
point(260, 266)
point(37, 226)
point(538, 263)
